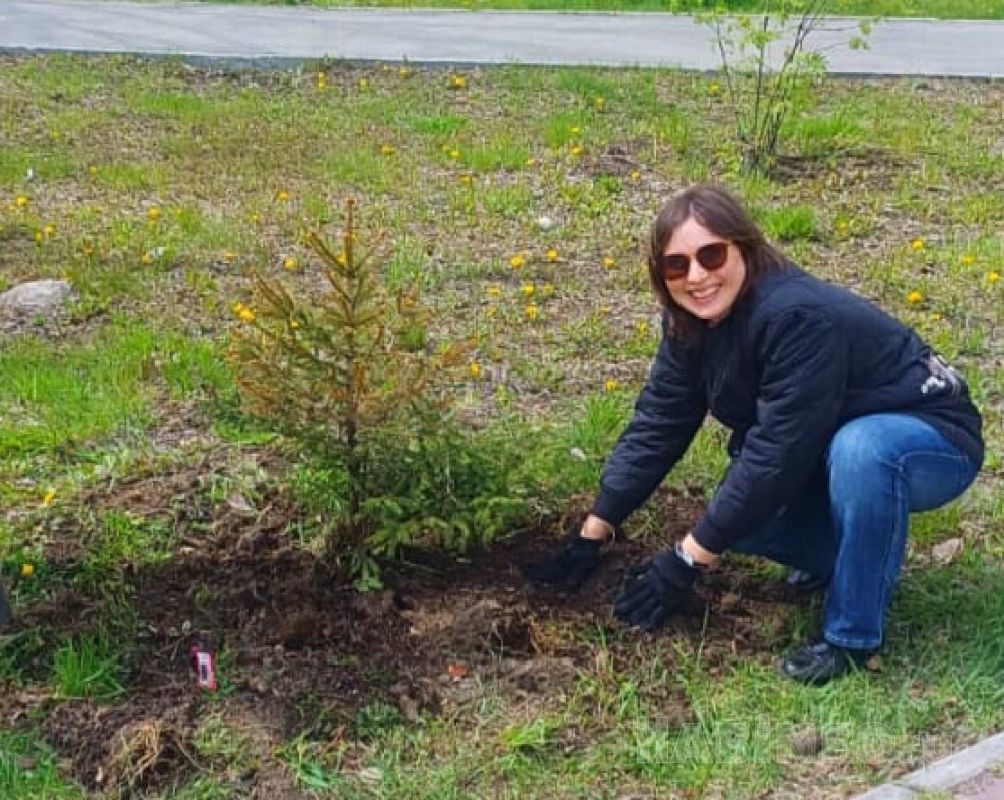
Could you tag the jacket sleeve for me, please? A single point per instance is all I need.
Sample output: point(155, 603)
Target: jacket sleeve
point(801, 393)
point(667, 415)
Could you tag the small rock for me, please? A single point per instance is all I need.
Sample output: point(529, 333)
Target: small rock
point(35, 297)
point(545, 223)
point(946, 551)
point(807, 741)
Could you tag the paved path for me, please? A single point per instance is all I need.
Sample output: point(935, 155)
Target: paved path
point(287, 35)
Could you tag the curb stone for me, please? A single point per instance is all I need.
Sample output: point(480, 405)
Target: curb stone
point(944, 775)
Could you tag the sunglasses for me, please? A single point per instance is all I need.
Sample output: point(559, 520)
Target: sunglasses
point(710, 256)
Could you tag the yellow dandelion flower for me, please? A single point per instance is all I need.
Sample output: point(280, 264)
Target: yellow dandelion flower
point(528, 289)
point(228, 257)
point(92, 170)
point(552, 255)
point(27, 570)
point(641, 328)
point(635, 176)
point(153, 213)
point(914, 297)
point(474, 369)
point(993, 277)
point(603, 310)
point(965, 259)
point(386, 150)
point(282, 196)
point(458, 82)
point(454, 154)
point(494, 291)
point(714, 88)
point(608, 262)
point(576, 150)
point(48, 498)
point(254, 218)
point(531, 162)
point(547, 289)
point(917, 245)
point(404, 72)
point(575, 130)
point(246, 315)
point(363, 83)
point(609, 385)
point(531, 312)
point(294, 324)
point(341, 259)
point(146, 258)
point(491, 311)
point(21, 201)
point(935, 316)
point(466, 179)
point(599, 102)
point(517, 261)
point(39, 237)
point(290, 263)
point(843, 226)
point(49, 230)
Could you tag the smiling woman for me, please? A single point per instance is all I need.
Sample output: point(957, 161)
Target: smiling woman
point(843, 422)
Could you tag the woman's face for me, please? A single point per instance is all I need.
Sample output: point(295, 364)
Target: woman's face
point(708, 294)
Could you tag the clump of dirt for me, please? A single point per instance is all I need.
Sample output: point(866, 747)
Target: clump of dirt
point(299, 652)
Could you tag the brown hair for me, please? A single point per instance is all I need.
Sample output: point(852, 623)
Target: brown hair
point(720, 212)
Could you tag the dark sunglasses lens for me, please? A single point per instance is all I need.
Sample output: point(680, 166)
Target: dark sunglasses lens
point(674, 266)
point(712, 256)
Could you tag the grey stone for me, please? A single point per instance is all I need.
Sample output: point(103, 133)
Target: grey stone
point(959, 767)
point(35, 297)
point(888, 791)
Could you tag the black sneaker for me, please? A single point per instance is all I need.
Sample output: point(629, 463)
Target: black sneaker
point(806, 581)
point(817, 663)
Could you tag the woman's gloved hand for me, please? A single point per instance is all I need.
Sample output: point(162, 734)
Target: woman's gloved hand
point(654, 590)
point(575, 561)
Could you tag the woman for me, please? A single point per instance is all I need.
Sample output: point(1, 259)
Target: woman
point(843, 421)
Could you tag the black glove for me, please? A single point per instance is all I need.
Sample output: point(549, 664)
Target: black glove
point(654, 590)
point(568, 569)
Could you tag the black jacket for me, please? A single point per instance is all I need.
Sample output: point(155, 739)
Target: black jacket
point(794, 360)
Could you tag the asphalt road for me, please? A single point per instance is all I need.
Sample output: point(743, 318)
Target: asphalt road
point(283, 34)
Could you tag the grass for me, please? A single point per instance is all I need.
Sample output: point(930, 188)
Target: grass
point(165, 186)
point(940, 9)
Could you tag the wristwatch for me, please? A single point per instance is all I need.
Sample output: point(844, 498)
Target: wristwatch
point(687, 558)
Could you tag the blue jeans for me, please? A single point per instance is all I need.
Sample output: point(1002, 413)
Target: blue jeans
point(850, 522)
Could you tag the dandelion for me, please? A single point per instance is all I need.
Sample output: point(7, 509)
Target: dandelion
point(146, 258)
point(965, 259)
point(39, 237)
point(289, 263)
point(603, 310)
point(935, 316)
point(48, 498)
point(552, 255)
point(528, 289)
point(466, 179)
point(914, 297)
point(238, 309)
point(363, 84)
point(531, 312)
point(576, 150)
point(474, 370)
point(153, 213)
point(386, 150)
point(714, 88)
point(517, 261)
point(341, 259)
point(599, 102)
point(254, 218)
point(635, 176)
point(547, 289)
point(246, 315)
point(843, 226)
point(92, 170)
point(404, 72)
point(49, 230)
point(641, 328)
point(610, 385)
point(917, 245)
point(530, 162)
point(491, 311)
point(575, 130)
point(228, 257)
point(27, 570)
point(454, 154)
point(458, 82)
point(21, 201)
point(608, 262)
point(993, 277)
point(282, 196)
point(494, 291)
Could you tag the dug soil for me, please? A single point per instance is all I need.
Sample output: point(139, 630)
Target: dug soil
point(299, 652)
